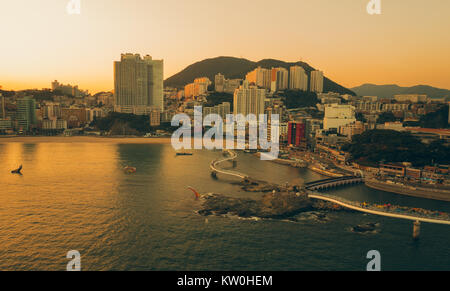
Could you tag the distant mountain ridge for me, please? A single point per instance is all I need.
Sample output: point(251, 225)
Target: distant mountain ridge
point(237, 68)
point(388, 91)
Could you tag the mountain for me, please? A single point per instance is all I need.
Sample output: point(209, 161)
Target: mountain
point(388, 91)
point(236, 68)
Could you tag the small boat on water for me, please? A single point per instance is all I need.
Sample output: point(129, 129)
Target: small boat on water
point(184, 154)
point(129, 170)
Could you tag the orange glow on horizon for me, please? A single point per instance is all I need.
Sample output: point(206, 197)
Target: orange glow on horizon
point(408, 44)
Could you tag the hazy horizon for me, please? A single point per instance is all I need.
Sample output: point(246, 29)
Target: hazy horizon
point(407, 45)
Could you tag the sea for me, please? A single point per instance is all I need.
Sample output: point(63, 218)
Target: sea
point(77, 196)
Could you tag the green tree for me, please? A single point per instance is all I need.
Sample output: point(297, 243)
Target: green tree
point(360, 117)
point(375, 146)
point(438, 119)
point(217, 98)
point(133, 124)
point(386, 117)
point(298, 99)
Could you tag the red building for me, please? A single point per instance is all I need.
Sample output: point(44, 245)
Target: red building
point(296, 133)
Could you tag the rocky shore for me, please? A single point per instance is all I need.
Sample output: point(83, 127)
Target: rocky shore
point(280, 202)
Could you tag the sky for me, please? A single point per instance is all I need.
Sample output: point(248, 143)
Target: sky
point(407, 44)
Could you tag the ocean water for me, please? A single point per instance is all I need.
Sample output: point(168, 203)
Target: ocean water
point(76, 196)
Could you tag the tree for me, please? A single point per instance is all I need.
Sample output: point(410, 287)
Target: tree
point(439, 152)
point(298, 99)
point(360, 117)
point(217, 98)
point(386, 117)
point(438, 119)
point(374, 146)
point(132, 124)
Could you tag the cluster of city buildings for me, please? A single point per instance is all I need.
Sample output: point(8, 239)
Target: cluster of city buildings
point(62, 114)
point(224, 85)
point(272, 80)
point(69, 90)
point(138, 89)
point(279, 79)
point(340, 123)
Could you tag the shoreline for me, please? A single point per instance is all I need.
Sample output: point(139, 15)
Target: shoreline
point(427, 193)
point(325, 172)
point(289, 163)
point(85, 139)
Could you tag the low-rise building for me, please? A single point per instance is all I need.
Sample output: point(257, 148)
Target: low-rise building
point(155, 117)
point(338, 115)
point(352, 129)
point(222, 110)
point(296, 134)
point(413, 98)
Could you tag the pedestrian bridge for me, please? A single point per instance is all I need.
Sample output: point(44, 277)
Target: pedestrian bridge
point(230, 156)
point(373, 210)
point(333, 182)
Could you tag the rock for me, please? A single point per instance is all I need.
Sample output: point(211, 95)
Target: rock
point(278, 205)
point(205, 212)
point(367, 227)
point(281, 202)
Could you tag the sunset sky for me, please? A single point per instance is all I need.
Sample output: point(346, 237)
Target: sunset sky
point(408, 44)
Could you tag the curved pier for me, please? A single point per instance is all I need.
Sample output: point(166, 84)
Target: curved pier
point(231, 157)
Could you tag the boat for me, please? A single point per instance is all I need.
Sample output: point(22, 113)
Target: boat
point(129, 170)
point(184, 154)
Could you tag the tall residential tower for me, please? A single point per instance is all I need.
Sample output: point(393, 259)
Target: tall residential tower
point(316, 81)
point(138, 84)
point(249, 100)
point(298, 79)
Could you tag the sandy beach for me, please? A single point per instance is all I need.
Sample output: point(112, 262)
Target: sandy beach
point(85, 139)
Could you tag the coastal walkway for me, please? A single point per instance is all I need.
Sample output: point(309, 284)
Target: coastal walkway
point(413, 214)
point(230, 156)
point(393, 212)
point(377, 211)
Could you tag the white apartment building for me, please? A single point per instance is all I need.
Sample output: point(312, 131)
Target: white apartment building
point(221, 84)
point(370, 98)
point(54, 123)
point(316, 81)
point(222, 110)
point(338, 115)
point(198, 88)
point(279, 79)
point(249, 100)
point(231, 85)
point(138, 83)
point(3, 107)
point(413, 98)
point(260, 77)
point(92, 113)
point(298, 79)
point(329, 98)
